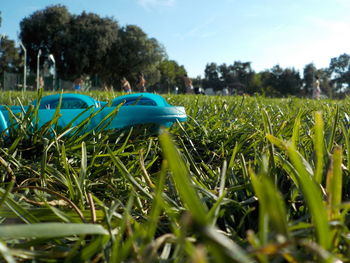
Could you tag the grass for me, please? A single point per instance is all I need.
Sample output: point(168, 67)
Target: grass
point(245, 179)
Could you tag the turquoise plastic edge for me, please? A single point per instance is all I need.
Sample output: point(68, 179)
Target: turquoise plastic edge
point(163, 114)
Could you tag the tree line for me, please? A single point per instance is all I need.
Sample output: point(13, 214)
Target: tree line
point(87, 45)
point(240, 78)
point(90, 46)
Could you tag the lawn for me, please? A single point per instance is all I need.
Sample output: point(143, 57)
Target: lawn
point(245, 179)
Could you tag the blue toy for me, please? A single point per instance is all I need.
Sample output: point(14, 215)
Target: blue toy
point(139, 108)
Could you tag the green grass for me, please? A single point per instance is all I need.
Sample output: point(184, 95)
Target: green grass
point(245, 179)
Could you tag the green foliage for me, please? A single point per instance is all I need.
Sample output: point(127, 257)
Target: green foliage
point(212, 77)
point(309, 74)
point(88, 45)
point(171, 76)
point(239, 78)
point(340, 67)
point(10, 60)
point(283, 82)
point(48, 30)
point(135, 52)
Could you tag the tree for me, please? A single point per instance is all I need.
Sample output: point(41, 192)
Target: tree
point(79, 43)
point(10, 60)
point(340, 72)
point(290, 82)
point(281, 82)
point(309, 75)
point(171, 76)
point(227, 76)
point(325, 83)
point(255, 84)
point(243, 74)
point(211, 77)
point(47, 30)
point(135, 52)
point(88, 45)
point(269, 81)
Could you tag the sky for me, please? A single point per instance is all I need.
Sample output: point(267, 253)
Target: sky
point(290, 33)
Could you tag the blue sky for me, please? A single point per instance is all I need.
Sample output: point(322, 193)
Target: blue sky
point(291, 33)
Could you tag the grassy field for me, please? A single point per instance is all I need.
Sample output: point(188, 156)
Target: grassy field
point(245, 179)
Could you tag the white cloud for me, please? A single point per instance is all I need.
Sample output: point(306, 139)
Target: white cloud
point(149, 4)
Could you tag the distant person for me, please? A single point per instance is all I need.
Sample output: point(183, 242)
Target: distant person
point(126, 87)
point(77, 84)
point(188, 84)
point(41, 82)
point(198, 90)
point(141, 85)
point(316, 93)
point(225, 91)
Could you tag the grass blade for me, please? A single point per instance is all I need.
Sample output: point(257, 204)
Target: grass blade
point(180, 175)
point(334, 127)
point(271, 203)
point(50, 230)
point(310, 190)
point(296, 129)
point(334, 183)
point(319, 146)
point(313, 197)
point(6, 253)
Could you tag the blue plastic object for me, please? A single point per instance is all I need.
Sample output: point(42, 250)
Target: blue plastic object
point(139, 108)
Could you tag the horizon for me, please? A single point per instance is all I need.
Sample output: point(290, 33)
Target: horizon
point(198, 32)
